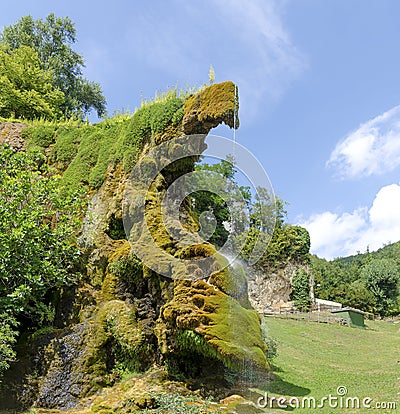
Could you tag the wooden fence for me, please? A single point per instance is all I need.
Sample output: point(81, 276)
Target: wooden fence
point(315, 316)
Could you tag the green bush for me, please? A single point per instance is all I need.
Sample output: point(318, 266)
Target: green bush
point(41, 136)
point(178, 404)
point(38, 221)
point(301, 290)
point(8, 336)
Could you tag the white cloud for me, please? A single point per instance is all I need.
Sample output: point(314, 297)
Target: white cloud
point(333, 235)
point(271, 61)
point(244, 41)
point(374, 148)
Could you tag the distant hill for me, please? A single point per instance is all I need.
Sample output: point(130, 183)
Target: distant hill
point(389, 251)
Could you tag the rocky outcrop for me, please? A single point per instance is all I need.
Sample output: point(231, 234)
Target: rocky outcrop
point(271, 290)
point(10, 134)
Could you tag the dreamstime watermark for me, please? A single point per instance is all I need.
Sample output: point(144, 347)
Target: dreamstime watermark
point(340, 401)
point(159, 229)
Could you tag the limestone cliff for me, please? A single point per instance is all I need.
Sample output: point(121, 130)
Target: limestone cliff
point(138, 307)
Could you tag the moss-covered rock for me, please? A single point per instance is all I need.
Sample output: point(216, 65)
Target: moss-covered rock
point(132, 315)
point(231, 333)
point(116, 343)
point(210, 107)
point(232, 280)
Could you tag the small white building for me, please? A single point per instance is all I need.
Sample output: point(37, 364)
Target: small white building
point(326, 305)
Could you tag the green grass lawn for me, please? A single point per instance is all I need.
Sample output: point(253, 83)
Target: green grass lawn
point(315, 359)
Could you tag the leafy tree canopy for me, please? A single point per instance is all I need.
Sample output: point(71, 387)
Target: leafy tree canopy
point(301, 290)
point(368, 281)
point(26, 89)
point(250, 218)
point(52, 39)
point(382, 278)
point(210, 206)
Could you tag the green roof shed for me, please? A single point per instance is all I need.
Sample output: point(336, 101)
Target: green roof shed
point(354, 317)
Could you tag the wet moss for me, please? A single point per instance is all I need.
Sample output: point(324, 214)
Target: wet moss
point(232, 280)
point(109, 287)
point(232, 332)
point(236, 333)
point(213, 319)
point(115, 340)
point(196, 251)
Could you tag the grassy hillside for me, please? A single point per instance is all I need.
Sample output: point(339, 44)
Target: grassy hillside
point(315, 359)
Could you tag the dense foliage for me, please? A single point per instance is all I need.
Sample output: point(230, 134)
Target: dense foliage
point(210, 206)
point(288, 243)
point(301, 290)
point(382, 279)
point(51, 39)
point(26, 89)
point(369, 281)
point(38, 219)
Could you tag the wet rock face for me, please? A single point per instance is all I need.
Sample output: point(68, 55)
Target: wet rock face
point(47, 372)
point(64, 383)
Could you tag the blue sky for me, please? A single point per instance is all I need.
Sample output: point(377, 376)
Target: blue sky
point(318, 83)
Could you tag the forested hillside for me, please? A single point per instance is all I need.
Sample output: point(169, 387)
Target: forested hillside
point(368, 281)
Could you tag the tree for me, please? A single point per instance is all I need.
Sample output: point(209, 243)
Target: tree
point(328, 279)
point(358, 296)
point(26, 89)
point(219, 179)
point(52, 39)
point(267, 214)
point(301, 290)
point(38, 220)
point(382, 278)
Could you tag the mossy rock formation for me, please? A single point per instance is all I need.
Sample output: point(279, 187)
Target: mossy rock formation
point(126, 316)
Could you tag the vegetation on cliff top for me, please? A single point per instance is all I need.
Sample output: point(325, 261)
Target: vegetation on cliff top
point(84, 152)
